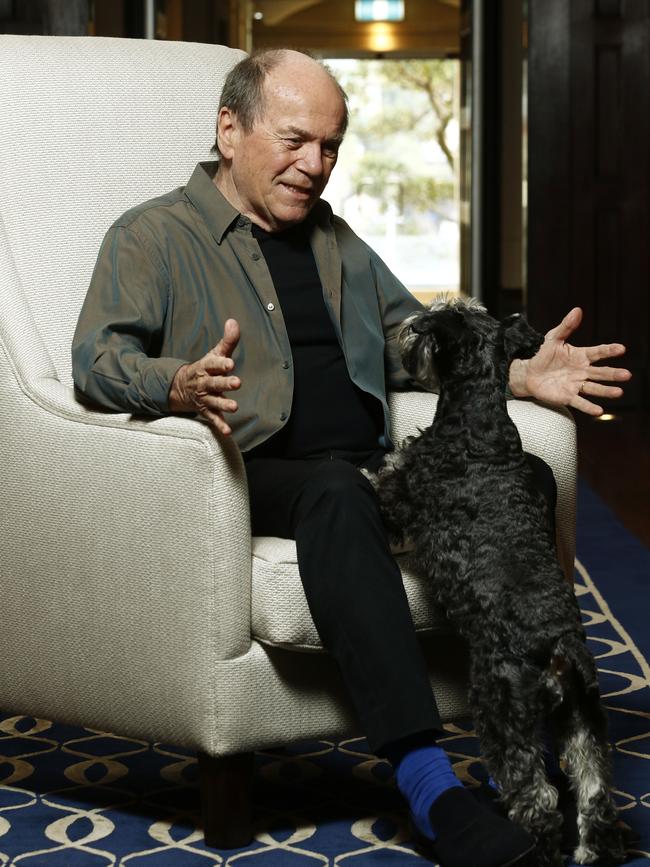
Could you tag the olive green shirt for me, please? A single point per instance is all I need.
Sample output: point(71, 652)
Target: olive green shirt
point(172, 270)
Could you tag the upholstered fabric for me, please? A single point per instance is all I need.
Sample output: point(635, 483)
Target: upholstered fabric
point(130, 598)
point(280, 615)
point(91, 127)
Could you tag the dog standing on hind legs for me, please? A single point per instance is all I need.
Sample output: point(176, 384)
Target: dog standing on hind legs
point(462, 493)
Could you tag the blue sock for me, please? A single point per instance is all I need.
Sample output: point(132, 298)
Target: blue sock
point(423, 773)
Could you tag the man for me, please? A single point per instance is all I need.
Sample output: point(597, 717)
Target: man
point(308, 316)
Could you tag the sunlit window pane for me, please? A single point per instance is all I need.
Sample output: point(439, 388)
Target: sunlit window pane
point(396, 179)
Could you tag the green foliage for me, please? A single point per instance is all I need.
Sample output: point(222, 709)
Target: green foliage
point(390, 181)
point(419, 98)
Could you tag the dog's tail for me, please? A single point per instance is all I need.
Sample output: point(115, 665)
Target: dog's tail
point(570, 667)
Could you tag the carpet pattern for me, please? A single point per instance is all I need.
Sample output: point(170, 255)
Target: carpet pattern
point(74, 797)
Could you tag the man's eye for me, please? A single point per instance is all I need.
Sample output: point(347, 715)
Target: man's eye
point(293, 142)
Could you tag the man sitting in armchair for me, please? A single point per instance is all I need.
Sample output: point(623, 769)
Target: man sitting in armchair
point(244, 282)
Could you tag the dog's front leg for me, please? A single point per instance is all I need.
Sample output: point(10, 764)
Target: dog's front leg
point(393, 487)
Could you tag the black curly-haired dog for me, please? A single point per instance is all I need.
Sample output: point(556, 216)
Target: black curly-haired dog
point(462, 493)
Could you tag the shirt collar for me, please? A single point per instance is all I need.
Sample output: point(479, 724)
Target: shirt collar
point(217, 211)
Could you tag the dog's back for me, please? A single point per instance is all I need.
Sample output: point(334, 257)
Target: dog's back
point(464, 493)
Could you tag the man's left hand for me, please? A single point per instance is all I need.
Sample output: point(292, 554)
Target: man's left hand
point(565, 375)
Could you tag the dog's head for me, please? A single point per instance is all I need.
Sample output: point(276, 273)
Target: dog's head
point(458, 339)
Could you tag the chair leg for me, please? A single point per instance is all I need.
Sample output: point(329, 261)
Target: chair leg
point(226, 805)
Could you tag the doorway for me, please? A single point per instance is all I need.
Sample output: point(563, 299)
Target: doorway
point(396, 182)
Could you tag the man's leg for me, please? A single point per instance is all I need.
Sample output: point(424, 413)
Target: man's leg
point(353, 587)
point(359, 606)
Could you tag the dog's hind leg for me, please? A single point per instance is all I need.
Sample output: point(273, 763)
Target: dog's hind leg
point(513, 750)
point(582, 737)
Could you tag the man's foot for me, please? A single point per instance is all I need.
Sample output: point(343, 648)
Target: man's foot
point(469, 834)
point(423, 774)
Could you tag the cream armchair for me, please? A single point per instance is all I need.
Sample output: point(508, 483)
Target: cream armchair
point(133, 597)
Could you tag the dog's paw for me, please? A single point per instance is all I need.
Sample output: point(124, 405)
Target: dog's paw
point(608, 847)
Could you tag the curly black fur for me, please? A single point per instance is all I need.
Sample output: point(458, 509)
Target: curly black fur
point(462, 493)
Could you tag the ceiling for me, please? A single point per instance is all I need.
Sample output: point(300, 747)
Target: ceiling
point(430, 28)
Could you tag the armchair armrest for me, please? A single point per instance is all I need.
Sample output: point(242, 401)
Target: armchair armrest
point(545, 431)
point(126, 566)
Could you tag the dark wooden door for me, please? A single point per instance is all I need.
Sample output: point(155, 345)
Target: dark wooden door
point(589, 173)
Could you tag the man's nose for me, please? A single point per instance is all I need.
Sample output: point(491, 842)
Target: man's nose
point(311, 158)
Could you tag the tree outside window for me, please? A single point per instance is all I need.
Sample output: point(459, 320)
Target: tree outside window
point(396, 181)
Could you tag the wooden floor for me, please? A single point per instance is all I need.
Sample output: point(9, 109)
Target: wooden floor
point(614, 459)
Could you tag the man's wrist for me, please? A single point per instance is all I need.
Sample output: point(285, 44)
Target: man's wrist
point(517, 378)
point(177, 400)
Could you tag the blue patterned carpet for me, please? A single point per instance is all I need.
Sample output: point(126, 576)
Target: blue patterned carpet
point(72, 797)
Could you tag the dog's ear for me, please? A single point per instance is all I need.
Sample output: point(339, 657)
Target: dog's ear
point(418, 346)
point(416, 353)
point(443, 328)
point(519, 339)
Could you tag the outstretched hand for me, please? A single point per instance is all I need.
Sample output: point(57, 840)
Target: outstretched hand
point(566, 375)
point(203, 386)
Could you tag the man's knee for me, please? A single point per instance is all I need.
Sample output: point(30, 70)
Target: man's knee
point(339, 490)
point(340, 481)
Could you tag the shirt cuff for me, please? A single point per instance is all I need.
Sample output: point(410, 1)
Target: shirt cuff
point(157, 380)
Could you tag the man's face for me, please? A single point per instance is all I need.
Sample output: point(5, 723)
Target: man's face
point(280, 168)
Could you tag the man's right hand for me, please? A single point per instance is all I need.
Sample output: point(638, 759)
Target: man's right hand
point(200, 387)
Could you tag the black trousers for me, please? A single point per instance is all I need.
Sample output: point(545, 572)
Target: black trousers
point(352, 583)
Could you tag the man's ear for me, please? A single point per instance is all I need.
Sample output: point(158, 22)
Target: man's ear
point(519, 339)
point(227, 132)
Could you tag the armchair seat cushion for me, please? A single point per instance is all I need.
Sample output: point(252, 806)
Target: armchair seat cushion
point(280, 614)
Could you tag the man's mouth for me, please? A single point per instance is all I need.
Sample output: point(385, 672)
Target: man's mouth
point(299, 192)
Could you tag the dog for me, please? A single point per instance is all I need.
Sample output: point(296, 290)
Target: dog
point(462, 494)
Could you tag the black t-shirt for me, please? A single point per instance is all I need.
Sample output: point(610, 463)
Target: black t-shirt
point(329, 414)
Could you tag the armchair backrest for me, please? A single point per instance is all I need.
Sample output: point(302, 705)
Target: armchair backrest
point(88, 128)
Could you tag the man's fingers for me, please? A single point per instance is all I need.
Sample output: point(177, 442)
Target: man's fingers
point(594, 389)
point(218, 384)
point(609, 374)
point(568, 325)
point(218, 423)
point(230, 339)
point(604, 350)
point(215, 403)
point(215, 364)
point(586, 406)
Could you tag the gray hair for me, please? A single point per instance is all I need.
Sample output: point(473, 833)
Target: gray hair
point(243, 90)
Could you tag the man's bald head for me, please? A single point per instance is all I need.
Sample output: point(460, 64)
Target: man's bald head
point(243, 91)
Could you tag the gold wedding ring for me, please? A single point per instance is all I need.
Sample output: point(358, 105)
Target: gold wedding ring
point(582, 387)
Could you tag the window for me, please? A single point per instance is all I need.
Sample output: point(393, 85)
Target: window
point(396, 182)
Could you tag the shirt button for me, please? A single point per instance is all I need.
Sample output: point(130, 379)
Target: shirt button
point(270, 306)
point(285, 365)
point(255, 256)
point(241, 222)
point(283, 416)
